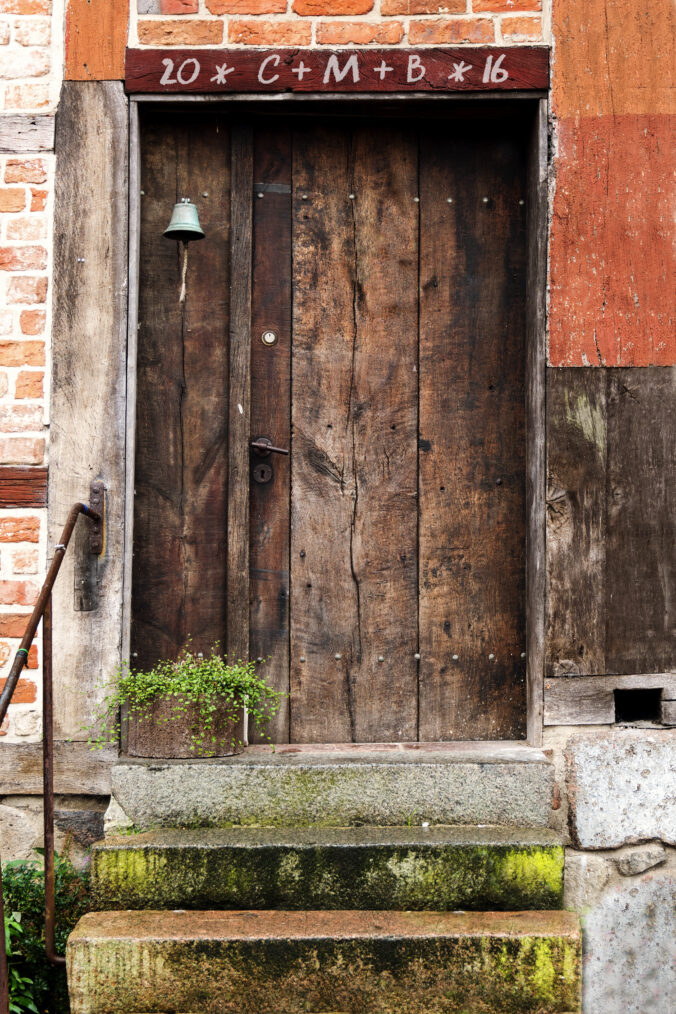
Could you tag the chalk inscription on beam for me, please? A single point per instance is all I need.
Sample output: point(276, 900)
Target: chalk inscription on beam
point(305, 70)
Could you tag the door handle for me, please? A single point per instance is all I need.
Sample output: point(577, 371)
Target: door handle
point(263, 446)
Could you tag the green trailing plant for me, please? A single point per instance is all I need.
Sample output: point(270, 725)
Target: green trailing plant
point(35, 984)
point(21, 990)
point(217, 689)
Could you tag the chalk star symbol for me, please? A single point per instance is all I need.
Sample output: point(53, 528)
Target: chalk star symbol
point(301, 70)
point(221, 73)
point(382, 70)
point(459, 71)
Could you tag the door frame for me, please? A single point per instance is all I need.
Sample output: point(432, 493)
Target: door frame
point(238, 493)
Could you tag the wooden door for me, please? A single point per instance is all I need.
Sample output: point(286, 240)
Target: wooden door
point(388, 550)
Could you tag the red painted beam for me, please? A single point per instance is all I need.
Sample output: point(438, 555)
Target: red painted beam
point(304, 70)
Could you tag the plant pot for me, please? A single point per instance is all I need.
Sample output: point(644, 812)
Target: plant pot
point(161, 733)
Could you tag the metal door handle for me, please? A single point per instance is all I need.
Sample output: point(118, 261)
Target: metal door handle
point(263, 447)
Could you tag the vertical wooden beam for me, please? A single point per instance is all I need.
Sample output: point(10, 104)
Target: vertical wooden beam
point(535, 423)
point(240, 391)
point(88, 382)
point(132, 344)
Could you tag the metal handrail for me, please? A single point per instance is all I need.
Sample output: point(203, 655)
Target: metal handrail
point(42, 611)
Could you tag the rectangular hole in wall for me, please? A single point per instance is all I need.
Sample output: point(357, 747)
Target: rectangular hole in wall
point(639, 705)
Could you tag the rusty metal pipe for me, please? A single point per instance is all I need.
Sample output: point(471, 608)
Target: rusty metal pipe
point(48, 786)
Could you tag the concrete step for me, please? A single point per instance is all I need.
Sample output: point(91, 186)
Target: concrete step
point(393, 784)
point(436, 868)
point(340, 962)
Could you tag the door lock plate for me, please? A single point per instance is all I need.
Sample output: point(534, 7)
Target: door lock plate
point(262, 472)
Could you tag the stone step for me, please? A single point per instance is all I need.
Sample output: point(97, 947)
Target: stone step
point(339, 962)
point(393, 784)
point(435, 868)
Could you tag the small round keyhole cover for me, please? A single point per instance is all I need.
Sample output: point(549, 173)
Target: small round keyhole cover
point(269, 338)
point(262, 473)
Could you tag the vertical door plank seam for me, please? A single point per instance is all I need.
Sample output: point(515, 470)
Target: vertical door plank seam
point(240, 389)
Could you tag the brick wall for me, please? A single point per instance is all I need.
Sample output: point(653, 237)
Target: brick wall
point(31, 62)
point(337, 22)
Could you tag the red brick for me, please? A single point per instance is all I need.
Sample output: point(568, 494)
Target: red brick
point(32, 227)
point(422, 7)
point(179, 6)
point(13, 624)
point(522, 28)
point(30, 385)
point(12, 199)
point(27, 289)
point(36, 32)
point(246, 6)
point(5, 652)
point(25, 692)
point(20, 418)
point(27, 170)
point(505, 6)
point(22, 353)
point(23, 258)
point(25, 561)
point(270, 33)
point(32, 321)
point(180, 33)
point(18, 593)
point(22, 450)
point(311, 8)
point(38, 199)
point(32, 659)
point(13, 529)
point(27, 96)
point(25, 6)
point(441, 31)
point(342, 33)
point(4, 728)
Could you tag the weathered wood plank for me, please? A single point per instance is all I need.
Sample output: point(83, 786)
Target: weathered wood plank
point(536, 284)
point(88, 381)
point(78, 770)
point(589, 700)
point(576, 522)
point(472, 436)
point(23, 487)
point(271, 412)
point(354, 612)
point(641, 536)
point(306, 70)
point(239, 393)
point(19, 134)
point(382, 427)
point(179, 567)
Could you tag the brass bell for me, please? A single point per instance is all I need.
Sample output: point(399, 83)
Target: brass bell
point(185, 223)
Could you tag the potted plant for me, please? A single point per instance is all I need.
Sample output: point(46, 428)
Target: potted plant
point(195, 706)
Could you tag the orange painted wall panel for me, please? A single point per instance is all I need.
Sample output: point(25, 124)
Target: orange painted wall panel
point(96, 36)
point(612, 264)
point(613, 57)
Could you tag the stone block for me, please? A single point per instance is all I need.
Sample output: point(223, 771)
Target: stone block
point(356, 962)
point(414, 868)
point(20, 833)
point(622, 788)
point(638, 860)
point(630, 948)
point(489, 784)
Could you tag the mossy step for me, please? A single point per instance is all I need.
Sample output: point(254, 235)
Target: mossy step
point(313, 785)
point(435, 868)
point(348, 962)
